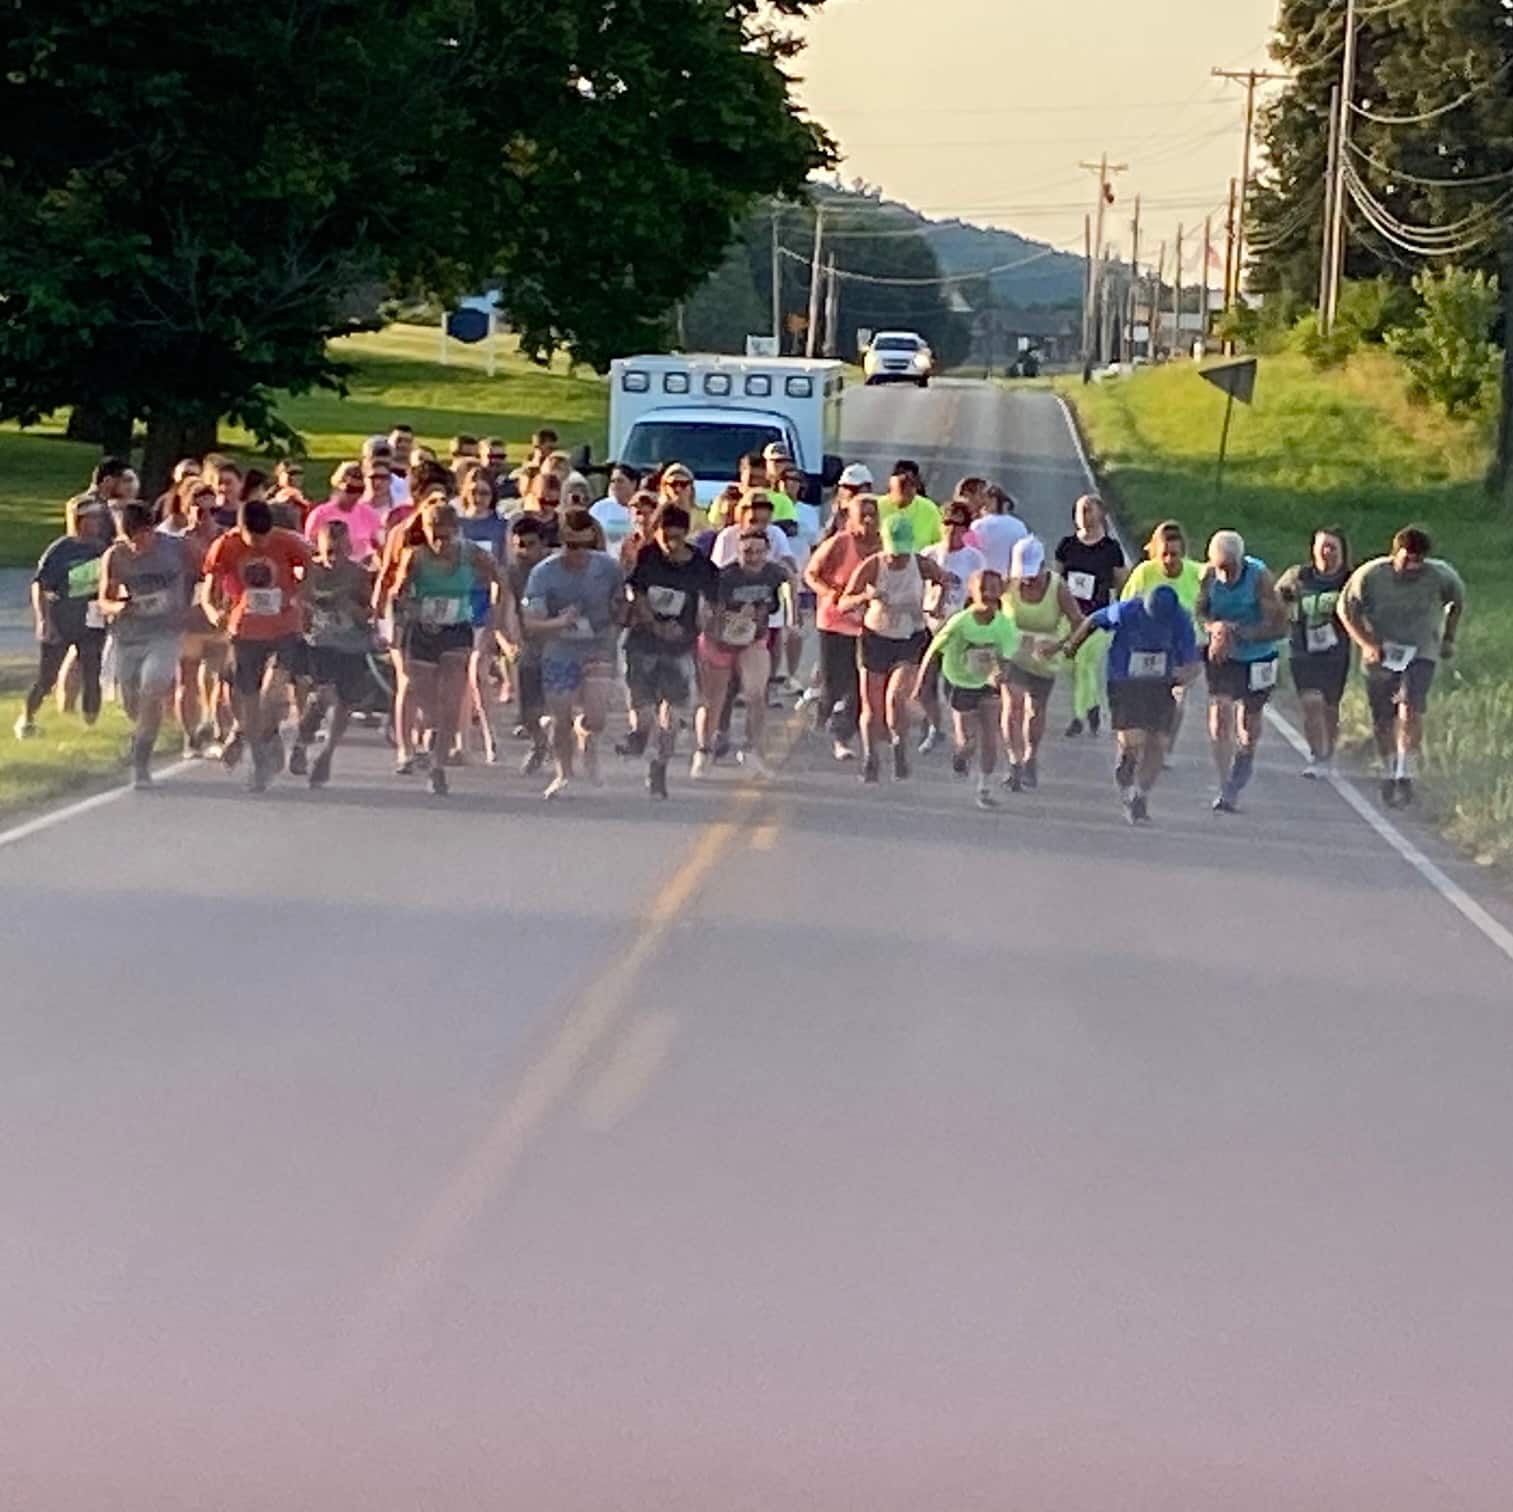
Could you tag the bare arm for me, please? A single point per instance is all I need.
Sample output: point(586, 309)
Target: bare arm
point(1069, 606)
point(862, 588)
point(40, 609)
point(1273, 622)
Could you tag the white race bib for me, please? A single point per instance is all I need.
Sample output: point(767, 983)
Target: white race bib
point(1039, 647)
point(1397, 657)
point(982, 661)
point(666, 603)
point(437, 613)
point(264, 601)
point(152, 605)
point(1083, 585)
point(737, 629)
point(1322, 638)
point(94, 616)
point(1263, 675)
point(1147, 664)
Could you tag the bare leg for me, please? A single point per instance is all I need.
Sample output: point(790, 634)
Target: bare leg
point(1315, 725)
point(716, 680)
point(874, 719)
point(1015, 704)
point(1221, 734)
point(592, 717)
point(451, 686)
point(559, 723)
point(756, 666)
point(900, 685)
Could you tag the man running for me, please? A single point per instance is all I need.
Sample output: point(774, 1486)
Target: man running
point(253, 585)
point(1238, 605)
point(905, 498)
point(1403, 611)
point(575, 601)
point(668, 587)
point(144, 592)
point(527, 548)
point(972, 648)
point(1153, 651)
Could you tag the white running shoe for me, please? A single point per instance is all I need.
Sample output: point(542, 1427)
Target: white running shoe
point(555, 788)
point(700, 768)
point(931, 740)
point(24, 729)
point(843, 752)
point(1313, 770)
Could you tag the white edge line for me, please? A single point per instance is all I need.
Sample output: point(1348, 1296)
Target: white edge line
point(1452, 892)
point(83, 806)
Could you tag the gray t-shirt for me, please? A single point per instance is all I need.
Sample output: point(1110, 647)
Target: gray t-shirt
point(1408, 611)
point(593, 591)
point(157, 587)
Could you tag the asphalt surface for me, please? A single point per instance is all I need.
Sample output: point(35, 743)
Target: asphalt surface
point(797, 1147)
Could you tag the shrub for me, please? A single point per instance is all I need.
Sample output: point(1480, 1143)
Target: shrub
point(1450, 358)
point(1322, 351)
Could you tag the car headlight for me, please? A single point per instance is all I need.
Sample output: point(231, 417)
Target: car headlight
point(921, 360)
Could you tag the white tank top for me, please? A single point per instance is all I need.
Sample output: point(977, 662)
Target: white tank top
point(899, 610)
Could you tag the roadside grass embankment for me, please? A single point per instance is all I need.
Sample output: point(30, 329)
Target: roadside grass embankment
point(1345, 448)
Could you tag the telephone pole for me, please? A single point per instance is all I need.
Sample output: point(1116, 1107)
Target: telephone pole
point(1091, 334)
point(1342, 143)
point(777, 281)
point(1177, 297)
point(812, 333)
point(1134, 275)
point(1326, 266)
point(1229, 247)
point(832, 305)
point(1250, 77)
point(1155, 338)
point(1087, 298)
point(1208, 252)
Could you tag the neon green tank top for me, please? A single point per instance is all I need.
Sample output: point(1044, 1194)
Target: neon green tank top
point(1041, 626)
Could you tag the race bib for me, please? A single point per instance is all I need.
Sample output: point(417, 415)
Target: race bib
point(1083, 585)
point(1147, 664)
point(94, 616)
point(666, 603)
point(152, 605)
point(1039, 647)
point(580, 629)
point(1263, 675)
point(264, 601)
point(1322, 638)
point(737, 629)
point(1397, 657)
point(437, 613)
point(982, 661)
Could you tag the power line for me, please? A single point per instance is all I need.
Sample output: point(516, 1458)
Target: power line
point(1480, 181)
point(926, 283)
point(1432, 115)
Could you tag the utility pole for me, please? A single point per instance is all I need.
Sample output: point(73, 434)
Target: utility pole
point(832, 305)
point(1208, 252)
point(1103, 168)
point(1155, 338)
point(1134, 273)
point(812, 333)
point(1250, 78)
point(1341, 146)
point(777, 280)
point(1087, 298)
point(1229, 247)
point(1326, 268)
point(1177, 298)
point(1110, 318)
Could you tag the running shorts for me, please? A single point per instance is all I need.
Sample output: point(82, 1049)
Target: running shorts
point(880, 654)
point(967, 700)
point(251, 660)
point(150, 665)
point(1136, 703)
point(656, 677)
point(346, 671)
point(1324, 674)
point(427, 647)
point(1388, 691)
point(1038, 687)
point(1242, 681)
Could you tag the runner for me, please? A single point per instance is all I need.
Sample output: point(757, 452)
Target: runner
point(485, 529)
point(957, 562)
point(1403, 611)
point(1166, 563)
point(668, 587)
point(144, 590)
point(351, 503)
point(203, 697)
point(1092, 563)
point(1244, 618)
point(225, 477)
point(855, 480)
point(676, 486)
point(1320, 648)
point(1044, 612)
point(402, 458)
point(905, 498)
point(830, 570)
point(744, 598)
point(290, 506)
point(253, 586)
point(1153, 650)
point(438, 578)
point(575, 602)
point(337, 592)
point(972, 648)
point(890, 590)
point(65, 604)
point(527, 548)
point(613, 511)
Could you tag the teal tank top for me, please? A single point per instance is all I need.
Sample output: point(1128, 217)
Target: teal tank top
point(1240, 603)
point(444, 592)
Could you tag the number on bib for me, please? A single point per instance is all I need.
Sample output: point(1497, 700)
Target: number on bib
point(151, 605)
point(1147, 664)
point(437, 613)
point(982, 661)
point(264, 601)
point(1322, 638)
point(94, 616)
point(666, 603)
point(1397, 657)
point(737, 629)
point(1083, 585)
point(1263, 675)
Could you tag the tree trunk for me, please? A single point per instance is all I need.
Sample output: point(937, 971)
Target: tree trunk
point(168, 442)
point(1500, 479)
point(109, 431)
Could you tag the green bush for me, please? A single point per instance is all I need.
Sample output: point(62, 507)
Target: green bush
point(1372, 307)
point(1324, 352)
point(1447, 350)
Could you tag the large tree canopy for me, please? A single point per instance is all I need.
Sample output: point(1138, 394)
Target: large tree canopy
point(192, 191)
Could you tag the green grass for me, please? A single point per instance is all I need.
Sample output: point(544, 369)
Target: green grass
point(1348, 449)
point(396, 377)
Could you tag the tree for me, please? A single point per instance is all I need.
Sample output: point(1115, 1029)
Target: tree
point(201, 185)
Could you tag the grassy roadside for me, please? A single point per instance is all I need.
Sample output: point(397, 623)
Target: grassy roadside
point(1349, 449)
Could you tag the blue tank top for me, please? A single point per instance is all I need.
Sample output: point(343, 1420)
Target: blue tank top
point(1240, 603)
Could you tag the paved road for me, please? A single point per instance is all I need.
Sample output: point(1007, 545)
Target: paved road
point(803, 1148)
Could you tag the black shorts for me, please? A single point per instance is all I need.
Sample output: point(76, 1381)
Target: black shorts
point(657, 677)
point(880, 654)
point(427, 647)
point(1387, 692)
point(1233, 679)
point(251, 661)
point(968, 700)
point(1138, 703)
point(1324, 673)
point(1039, 688)
point(346, 671)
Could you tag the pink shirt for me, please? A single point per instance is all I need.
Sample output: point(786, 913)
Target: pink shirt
point(365, 526)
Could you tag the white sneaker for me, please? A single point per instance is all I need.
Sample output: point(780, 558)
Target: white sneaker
point(555, 788)
point(24, 728)
point(755, 765)
point(843, 752)
point(1313, 770)
point(931, 740)
point(700, 768)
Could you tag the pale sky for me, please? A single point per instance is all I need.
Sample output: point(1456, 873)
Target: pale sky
point(984, 108)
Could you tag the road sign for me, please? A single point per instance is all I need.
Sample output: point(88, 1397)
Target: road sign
point(1237, 379)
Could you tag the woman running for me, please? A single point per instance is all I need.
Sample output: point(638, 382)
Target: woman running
point(889, 589)
point(1045, 613)
point(483, 527)
point(1092, 563)
point(973, 647)
point(439, 577)
point(1320, 649)
point(958, 561)
point(830, 569)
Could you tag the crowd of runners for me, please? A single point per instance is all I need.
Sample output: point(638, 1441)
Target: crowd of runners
point(450, 595)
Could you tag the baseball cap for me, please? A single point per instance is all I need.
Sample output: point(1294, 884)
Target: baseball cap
point(898, 534)
point(857, 476)
point(775, 451)
point(1029, 557)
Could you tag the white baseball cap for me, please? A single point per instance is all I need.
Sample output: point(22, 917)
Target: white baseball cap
point(775, 451)
point(857, 476)
point(1029, 557)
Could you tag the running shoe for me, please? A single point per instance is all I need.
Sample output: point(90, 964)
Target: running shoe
point(555, 788)
point(203, 737)
point(533, 762)
point(754, 764)
point(985, 799)
point(900, 761)
point(1138, 809)
point(871, 772)
point(1389, 791)
point(1405, 792)
point(1032, 774)
point(231, 751)
point(700, 768)
point(634, 744)
point(656, 779)
point(407, 767)
point(320, 770)
point(721, 746)
point(438, 781)
point(1074, 729)
point(1094, 720)
point(1124, 772)
point(141, 778)
point(931, 740)
point(961, 762)
point(299, 764)
point(24, 728)
point(1013, 780)
point(1225, 803)
point(843, 752)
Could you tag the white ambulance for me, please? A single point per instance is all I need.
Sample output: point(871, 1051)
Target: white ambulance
point(708, 412)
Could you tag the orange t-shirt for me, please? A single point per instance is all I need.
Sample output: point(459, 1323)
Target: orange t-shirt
point(262, 581)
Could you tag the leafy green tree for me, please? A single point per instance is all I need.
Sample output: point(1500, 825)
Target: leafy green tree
point(1447, 349)
point(197, 188)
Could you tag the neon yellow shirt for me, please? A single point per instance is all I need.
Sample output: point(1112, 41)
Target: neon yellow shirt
point(970, 651)
point(923, 514)
point(783, 508)
point(1148, 575)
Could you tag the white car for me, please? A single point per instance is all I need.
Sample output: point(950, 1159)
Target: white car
point(898, 357)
